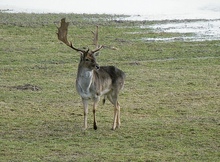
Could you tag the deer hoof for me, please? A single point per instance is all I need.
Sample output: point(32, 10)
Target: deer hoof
point(95, 126)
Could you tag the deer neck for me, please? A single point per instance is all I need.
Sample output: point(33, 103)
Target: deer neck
point(84, 81)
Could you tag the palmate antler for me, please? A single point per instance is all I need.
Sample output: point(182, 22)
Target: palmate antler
point(62, 36)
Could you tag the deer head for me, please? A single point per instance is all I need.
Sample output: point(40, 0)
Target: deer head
point(87, 56)
point(88, 60)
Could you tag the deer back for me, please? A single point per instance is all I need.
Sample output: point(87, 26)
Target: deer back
point(113, 74)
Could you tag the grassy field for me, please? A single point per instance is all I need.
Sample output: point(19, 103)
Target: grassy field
point(170, 103)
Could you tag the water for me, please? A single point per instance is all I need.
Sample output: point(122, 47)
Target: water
point(141, 10)
point(191, 30)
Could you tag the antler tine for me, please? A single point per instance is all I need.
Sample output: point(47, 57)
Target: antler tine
point(97, 49)
point(62, 35)
point(95, 40)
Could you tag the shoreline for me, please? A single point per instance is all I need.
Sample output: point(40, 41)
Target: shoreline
point(120, 17)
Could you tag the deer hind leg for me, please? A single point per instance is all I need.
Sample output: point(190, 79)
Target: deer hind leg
point(85, 106)
point(118, 116)
point(116, 120)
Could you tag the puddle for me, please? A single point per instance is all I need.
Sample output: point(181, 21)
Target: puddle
point(199, 30)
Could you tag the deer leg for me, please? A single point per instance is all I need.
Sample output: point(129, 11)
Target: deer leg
point(118, 116)
point(116, 120)
point(85, 106)
point(94, 114)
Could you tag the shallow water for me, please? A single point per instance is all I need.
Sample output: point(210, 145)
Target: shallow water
point(198, 30)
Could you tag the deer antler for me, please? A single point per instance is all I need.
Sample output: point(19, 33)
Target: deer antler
point(95, 40)
point(62, 35)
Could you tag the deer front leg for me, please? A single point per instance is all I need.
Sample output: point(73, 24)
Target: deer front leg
point(94, 114)
point(85, 106)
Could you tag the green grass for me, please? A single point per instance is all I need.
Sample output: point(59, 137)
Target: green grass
point(170, 103)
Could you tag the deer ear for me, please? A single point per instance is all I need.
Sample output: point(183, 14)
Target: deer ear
point(81, 53)
point(81, 56)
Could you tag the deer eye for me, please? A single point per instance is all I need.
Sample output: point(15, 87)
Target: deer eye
point(87, 59)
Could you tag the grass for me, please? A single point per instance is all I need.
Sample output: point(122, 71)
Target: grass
point(170, 103)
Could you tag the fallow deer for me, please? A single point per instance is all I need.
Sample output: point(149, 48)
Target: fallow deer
point(94, 81)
